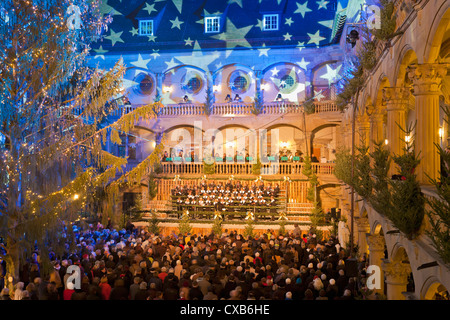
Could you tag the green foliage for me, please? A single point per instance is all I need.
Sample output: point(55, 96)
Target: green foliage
point(209, 168)
point(249, 228)
point(256, 167)
point(354, 83)
point(309, 106)
point(258, 103)
point(309, 172)
point(342, 167)
point(209, 100)
point(439, 212)
point(367, 55)
point(317, 216)
point(307, 166)
point(135, 212)
point(152, 186)
point(381, 197)
point(388, 22)
point(153, 224)
point(362, 180)
point(184, 226)
point(217, 227)
point(408, 202)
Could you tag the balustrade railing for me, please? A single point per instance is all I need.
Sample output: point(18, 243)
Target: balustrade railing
point(225, 109)
point(292, 168)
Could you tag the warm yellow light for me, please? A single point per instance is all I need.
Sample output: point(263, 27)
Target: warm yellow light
point(265, 86)
point(407, 139)
point(231, 144)
point(441, 132)
point(76, 197)
point(167, 89)
point(386, 141)
point(284, 144)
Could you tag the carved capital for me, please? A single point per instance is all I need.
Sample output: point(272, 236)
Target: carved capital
point(375, 242)
point(396, 272)
point(427, 77)
point(363, 224)
point(363, 121)
point(396, 98)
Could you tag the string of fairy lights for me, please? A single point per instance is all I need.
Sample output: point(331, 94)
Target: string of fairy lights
point(59, 22)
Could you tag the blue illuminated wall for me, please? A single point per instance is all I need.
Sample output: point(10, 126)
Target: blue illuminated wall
point(299, 59)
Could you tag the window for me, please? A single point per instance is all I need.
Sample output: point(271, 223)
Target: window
point(212, 24)
point(146, 85)
point(194, 85)
point(239, 81)
point(146, 27)
point(240, 84)
point(287, 82)
point(270, 22)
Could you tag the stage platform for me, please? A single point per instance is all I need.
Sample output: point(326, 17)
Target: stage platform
point(239, 226)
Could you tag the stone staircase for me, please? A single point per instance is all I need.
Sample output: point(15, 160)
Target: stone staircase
point(299, 212)
point(157, 205)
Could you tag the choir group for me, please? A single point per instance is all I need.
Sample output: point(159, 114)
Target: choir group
point(226, 198)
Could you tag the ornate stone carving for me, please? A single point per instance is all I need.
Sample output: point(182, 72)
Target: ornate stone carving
point(363, 224)
point(396, 98)
point(396, 272)
point(375, 242)
point(427, 77)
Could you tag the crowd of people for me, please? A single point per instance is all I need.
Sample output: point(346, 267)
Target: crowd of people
point(134, 264)
point(227, 198)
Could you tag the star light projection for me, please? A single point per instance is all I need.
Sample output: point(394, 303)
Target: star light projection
point(179, 29)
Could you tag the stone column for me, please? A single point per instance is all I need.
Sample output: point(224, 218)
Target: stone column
point(363, 130)
point(397, 274)
point(376, 117)
point(363, 227)
point(427, 80)
point(376, 244)
point(396, 99)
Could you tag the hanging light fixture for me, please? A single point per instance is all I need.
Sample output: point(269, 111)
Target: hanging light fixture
point(352, 37)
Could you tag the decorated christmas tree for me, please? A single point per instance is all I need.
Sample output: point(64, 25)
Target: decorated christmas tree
point(54, 123)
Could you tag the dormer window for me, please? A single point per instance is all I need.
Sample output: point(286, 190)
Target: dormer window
point(270, 22)
point(146, 27)
point(212, 24)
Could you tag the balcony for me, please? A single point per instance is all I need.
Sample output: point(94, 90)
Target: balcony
point(289, 168)
point(232, 109)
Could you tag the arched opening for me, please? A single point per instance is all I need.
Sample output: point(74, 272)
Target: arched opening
point(323, 142)
point(285, 79)
point(400, 256)
point(436, 291)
